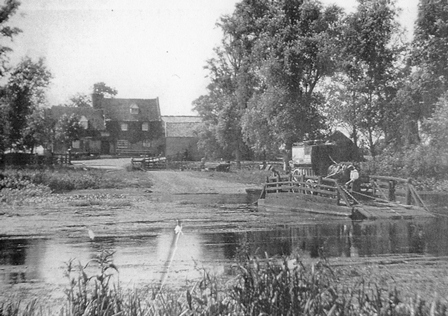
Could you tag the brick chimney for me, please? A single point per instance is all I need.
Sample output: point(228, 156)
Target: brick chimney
point(97, 100)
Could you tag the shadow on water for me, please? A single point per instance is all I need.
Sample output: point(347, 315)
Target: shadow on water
point(141, 259)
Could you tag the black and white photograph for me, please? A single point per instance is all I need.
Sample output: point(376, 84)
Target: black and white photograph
point(223, 157)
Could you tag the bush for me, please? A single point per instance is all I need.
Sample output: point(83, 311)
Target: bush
point(424, 163)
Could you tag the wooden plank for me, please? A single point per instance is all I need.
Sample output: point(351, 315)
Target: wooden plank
point(386, 178)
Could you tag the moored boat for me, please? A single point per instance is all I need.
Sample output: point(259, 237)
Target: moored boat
point(376, 197)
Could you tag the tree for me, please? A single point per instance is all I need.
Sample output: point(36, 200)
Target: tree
point(105, 91)
point(68, 129)
point(294, 50)
point(228, 93)
point(8, 9)
point(24, 93)
point(273, 55)
point(39, 130)
point(80, 100)
point(368, 58)
point(430, 55)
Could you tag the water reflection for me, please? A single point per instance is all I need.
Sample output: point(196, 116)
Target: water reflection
point(141, 259)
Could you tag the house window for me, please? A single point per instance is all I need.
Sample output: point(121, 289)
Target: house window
point(145, 126)
point(134, 109)
point(76, 144)
point(84, 122)
point(124, 127)
point(146, 143)
point(122, 143)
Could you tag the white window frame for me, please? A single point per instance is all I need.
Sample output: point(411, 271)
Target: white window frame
point(124, 127)
point(145, 126)
point(134, 109)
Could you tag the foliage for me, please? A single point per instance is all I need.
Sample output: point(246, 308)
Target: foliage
point(40, 130)
point(362, 91)
point(263, 77)
point(24, 93)
point(430, 53)
point(68, 129)
point(80, 100)
point(263, 287)
point(295, 50)
point(20, 187)
point(93, 295)
point(102, 89)
point(8, 9)
point(423, 160)
point(67, 179)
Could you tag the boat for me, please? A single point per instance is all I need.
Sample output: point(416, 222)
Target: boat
point(373, 197)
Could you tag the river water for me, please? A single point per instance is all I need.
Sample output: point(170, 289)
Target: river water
point(146, 259)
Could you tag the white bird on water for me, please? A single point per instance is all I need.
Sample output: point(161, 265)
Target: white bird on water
point(178, 228)
point(91, 234)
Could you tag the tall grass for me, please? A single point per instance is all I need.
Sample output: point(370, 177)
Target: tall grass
point(67, 179)
point(263, 286)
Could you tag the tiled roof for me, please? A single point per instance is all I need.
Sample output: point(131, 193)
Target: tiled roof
point(181, 129)
point(120, 109)
point(94, 116)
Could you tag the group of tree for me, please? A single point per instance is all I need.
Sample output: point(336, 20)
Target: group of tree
point(293, 70)
point(25, 119)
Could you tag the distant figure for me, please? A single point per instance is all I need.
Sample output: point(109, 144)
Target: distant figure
point(354, 175)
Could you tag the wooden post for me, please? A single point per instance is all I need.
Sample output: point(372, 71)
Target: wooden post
point(338, 196)
point(319, 182)
point(408, 192)
point(69, 157)
point(392, 190)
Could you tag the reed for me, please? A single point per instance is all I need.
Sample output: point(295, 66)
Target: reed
point(262, 286)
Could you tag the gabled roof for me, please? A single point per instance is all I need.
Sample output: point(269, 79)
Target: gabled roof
point(120, 109)
point(181, 126)
point(94, 116)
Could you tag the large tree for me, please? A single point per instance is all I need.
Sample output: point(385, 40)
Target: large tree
point(368, 57)
point(264, 78)
point(229, 91)
point(295, 50)
point(8, 9)
point(430, 56)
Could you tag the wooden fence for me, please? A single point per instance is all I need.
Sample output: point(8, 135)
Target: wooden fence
point(26, 159)
point(380, 188)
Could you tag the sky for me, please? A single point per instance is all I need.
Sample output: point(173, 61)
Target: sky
point(143, 48)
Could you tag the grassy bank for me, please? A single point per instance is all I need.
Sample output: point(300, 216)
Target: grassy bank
point(19, 184)
point(262, 286)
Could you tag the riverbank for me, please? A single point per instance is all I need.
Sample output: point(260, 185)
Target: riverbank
point(139, 219)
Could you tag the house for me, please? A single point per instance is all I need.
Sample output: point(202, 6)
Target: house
point(133, 126)
point(181, 141)
point(91, 120)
